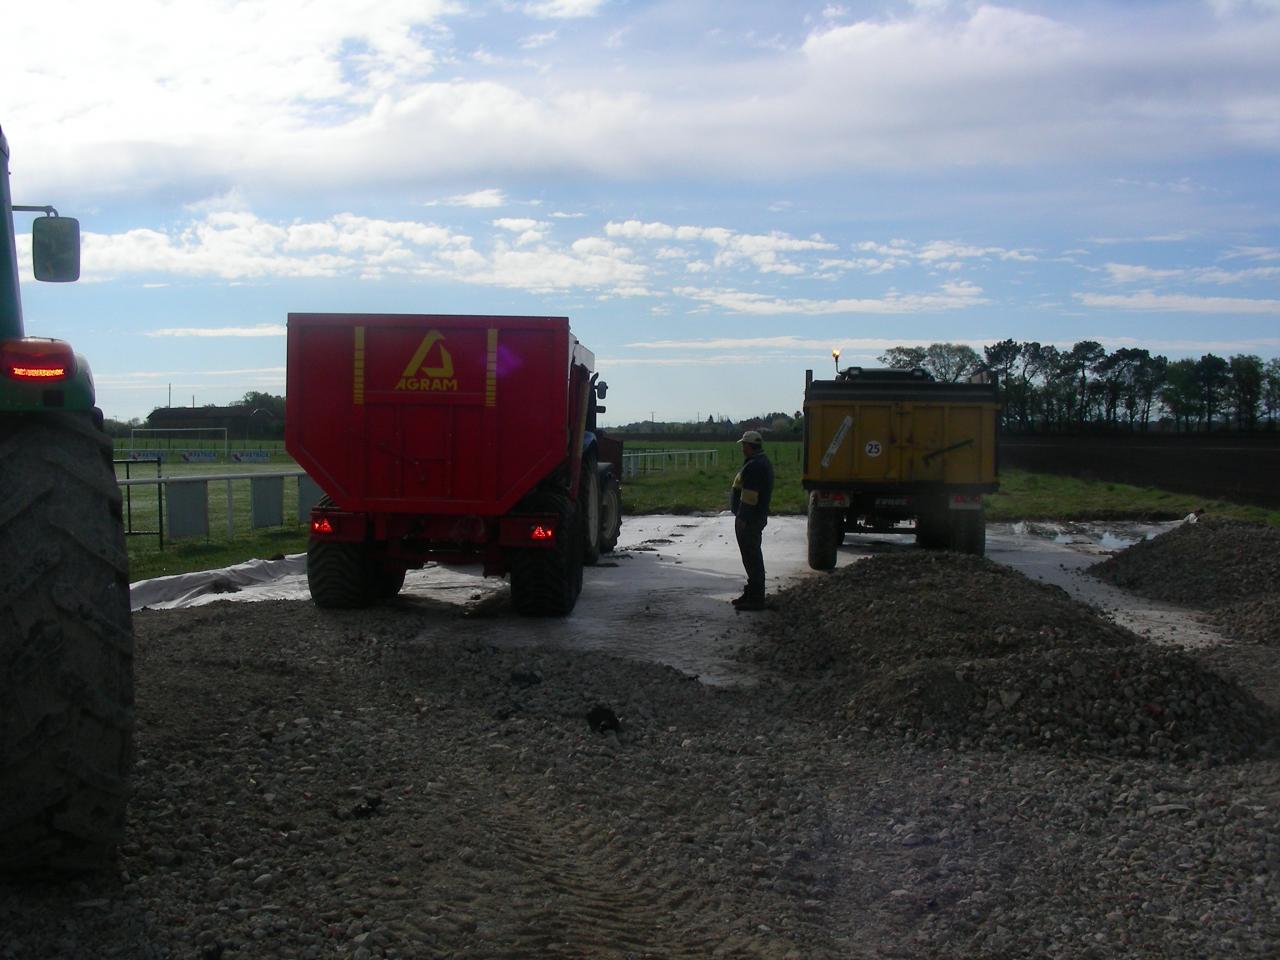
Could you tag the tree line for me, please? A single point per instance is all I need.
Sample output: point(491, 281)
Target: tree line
point(1047, 389)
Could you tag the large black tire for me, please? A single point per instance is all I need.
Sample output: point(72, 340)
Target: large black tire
point(66, 646)
point(385, 583)
point(610, 514)
point(824, 535)
point(969, 532)
point(589, 506)
point(933, 527)
point(545, 582)
point(337, 574)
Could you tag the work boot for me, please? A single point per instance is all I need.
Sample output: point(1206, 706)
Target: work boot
point(752, 601)
point(738, 601)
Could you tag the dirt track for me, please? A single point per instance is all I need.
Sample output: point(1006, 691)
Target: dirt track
point(402, 782)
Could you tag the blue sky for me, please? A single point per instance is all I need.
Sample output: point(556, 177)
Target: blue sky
point(716, 194)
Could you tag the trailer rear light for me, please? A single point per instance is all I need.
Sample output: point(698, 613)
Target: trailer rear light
point(37, 359)
point(540, 532)
point(321, 526)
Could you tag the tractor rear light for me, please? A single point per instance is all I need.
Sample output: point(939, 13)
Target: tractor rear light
point(37, 359)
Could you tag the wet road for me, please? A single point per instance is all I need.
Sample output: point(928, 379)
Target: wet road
point(663, 595)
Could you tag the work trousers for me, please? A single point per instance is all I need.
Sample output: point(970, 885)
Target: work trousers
point(749, 535)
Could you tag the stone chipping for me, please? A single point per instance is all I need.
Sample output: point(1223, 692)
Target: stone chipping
point(961, 650)
point(365, 784)
point(1228, 568)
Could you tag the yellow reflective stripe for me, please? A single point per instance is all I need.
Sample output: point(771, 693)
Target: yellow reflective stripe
point(750, 497)
point(357, 369)
point(491, 370)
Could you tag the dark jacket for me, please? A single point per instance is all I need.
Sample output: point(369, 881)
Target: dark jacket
point(753, 489)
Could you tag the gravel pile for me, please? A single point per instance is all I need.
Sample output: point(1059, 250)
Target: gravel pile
point(1229, 568)
point(363, 784)
point(958, 649)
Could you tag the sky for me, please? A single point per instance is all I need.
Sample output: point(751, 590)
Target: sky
point(716, 194)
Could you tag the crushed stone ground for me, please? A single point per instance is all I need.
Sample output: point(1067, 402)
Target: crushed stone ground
point(1230, 569)
point(944, 759)
point(961, 650)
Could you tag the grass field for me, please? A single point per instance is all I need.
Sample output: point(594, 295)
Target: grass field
point(1023, 496)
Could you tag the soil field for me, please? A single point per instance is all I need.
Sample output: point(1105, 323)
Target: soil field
point(1242, 469)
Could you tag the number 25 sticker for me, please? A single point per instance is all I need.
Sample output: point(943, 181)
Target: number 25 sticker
point(873, 448)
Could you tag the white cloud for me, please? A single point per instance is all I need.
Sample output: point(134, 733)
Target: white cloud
point(563, 9)
point(536, 40)
point(356, 94)
point(847, 345)
point(1130, 273)
point(955, 296)
point(1148, 300)
point(481, 199)
point(261, 330)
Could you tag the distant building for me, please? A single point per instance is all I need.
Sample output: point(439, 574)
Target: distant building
point(235, 419)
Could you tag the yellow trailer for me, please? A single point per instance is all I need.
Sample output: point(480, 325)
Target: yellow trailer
point(882, 447)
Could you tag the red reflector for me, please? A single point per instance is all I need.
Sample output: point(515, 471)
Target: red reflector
point(539, 532)
point(37, 358)
point(321, 526)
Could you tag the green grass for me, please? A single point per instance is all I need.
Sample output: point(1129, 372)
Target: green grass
point(148, 558)
point(1043, 496)
point(1022, 496)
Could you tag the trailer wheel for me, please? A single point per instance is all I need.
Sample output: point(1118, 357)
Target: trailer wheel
point(969, 532)
point(589, 506)
point(336, 574)
point(385, 583)
point(933, 528)
point(823, 535)
point(545, 582)
point(610, 514)
point(66, 645)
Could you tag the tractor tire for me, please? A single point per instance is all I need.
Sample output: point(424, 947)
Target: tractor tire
point(589, 507)
point(610, 514)
point(823, 535)
point(337, 574)
point(969, 532)
point(66, 647)
point(545, 582)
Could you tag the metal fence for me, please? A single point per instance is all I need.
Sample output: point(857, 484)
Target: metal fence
point(181, 506)
point(656, 461)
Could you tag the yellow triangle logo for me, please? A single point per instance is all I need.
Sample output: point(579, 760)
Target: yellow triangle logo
point(445, 368)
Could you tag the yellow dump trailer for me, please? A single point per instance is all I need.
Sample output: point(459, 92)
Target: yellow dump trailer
point(882, 447)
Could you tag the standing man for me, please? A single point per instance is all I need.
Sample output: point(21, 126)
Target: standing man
point(752, 490)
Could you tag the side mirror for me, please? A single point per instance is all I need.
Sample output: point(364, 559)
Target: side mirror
point(55, 249)
point(602, 388)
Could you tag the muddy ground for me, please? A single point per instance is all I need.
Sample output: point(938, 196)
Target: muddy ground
point(917, 755)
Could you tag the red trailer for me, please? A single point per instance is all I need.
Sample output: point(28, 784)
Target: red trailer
point(450, 438)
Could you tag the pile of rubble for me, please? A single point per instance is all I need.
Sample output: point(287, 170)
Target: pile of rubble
point(1229, 568)
point(958, 649)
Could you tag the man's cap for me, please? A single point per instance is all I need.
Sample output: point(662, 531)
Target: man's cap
point(752, 437)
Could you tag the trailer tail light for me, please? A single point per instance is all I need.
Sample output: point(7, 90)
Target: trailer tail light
point(321, 526)
point(37, 360)
point(527, 531)
point(966, 501)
